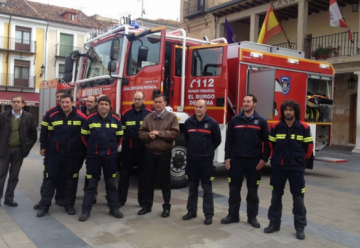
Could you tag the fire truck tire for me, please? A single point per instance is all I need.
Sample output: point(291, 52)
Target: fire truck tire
point(178, 164)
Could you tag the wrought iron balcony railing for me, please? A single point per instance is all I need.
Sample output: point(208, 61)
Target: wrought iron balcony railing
point(14, 44)
point(15, 80)
point(287, 45)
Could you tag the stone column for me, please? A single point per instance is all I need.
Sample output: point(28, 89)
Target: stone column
point(254, 27)
point(303, 7)
point(357, 146)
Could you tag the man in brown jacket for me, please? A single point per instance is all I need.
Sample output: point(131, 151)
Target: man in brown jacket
point(159, 131)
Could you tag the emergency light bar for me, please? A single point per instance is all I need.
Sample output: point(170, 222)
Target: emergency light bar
point(256, 55)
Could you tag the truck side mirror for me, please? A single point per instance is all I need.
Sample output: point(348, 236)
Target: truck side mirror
point(67, 77)
point(142, 53)
point(68, 65)
point(115, 49)
point(112, 66)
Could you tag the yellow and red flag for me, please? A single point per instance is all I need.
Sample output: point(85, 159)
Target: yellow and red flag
point(270, 27)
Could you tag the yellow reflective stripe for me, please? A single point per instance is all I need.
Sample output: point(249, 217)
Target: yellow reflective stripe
point(86, 132)
point(75, 175)
point(272, 138)
point(258, 182)
point(308, 139)
point(57, 123)
point(88, 176)
point(69, 123)
point(292, 136)
point(44, 167)
point(92, 125)
point(114, 175)
point(229, 179)
point(130, 123)
point(271, 187)
point(44, 123)
point(77, 123)
point(302, 190)
point(50, 128)
point(120, 132)
point(300, 137)
point(123, 127)
point(186, 176)
point(47, 175)
point(114, 125)
point(280, 136)
point(212, 179)
point(141, 122)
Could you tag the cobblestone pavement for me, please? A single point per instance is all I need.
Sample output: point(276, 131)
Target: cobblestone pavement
point(332, 200)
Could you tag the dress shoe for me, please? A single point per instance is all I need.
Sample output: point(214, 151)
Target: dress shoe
point(116, 213)
point(208, 221)
point(11, 203)
point(36, 206)
point(41, 212)
point(144, 211)
point(253, 222)
point(189, 216)
point(230, 219)
point(59, 202)
point(165, 213)
point(70, 211)
point(271, 229)
point(300, 234)
point(84, 216)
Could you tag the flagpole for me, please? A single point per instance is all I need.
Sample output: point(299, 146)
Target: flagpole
point(280, 24)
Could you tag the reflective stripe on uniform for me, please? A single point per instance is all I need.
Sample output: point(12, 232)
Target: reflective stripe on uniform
point(229, 179)
point(75, 175)
point(302, 190)
point(86, 132)
point(114, 175)
point(280, 136)
point(57, 123)
point(212, 179)
point(77, 123)
point(308, 139)
point(130, 123)
point(272, 138)
point(92, 125)
point(88, 176)
point(123, 127)
point(120, 132)
point(44, 123)
point(50, 128)
point(271, 187)
point(141, 122)
point(258, 182)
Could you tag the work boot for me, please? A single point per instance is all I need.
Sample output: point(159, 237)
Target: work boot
point(208, 220)
point(230, 219)
point(116, 213)
point(271, 228)
point(70, 210)
point(36, 206)
point(41, 212)
point(300, 234)
point(189, 216)
point(253, 222)
point(84, 216)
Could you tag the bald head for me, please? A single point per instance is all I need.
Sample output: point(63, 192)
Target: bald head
point(200, 109)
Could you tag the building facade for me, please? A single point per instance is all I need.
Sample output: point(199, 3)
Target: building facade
point(307, 27)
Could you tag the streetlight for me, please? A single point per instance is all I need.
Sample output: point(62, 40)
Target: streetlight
point(42, 70)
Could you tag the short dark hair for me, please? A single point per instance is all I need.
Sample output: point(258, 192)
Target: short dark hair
point(16, 96)
point(94, 98)
point(66, 95)
point(62, 91)
point(141, 93)
point(253, 97)
point(161, 95)
point(292, 104)
point(104, 99)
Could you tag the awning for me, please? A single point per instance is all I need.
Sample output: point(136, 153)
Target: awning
point(31, 99)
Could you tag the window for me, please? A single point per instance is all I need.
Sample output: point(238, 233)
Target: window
point(21, 73)
point(72, 17)
point(144, 51)
point(178, 62)
point(207, 62)
point(66, 44)
point(22, 39)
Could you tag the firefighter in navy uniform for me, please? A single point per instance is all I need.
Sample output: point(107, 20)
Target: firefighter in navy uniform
point(133, 149)
point(65, 151)
point(202, 135)
point(246, 152)
point(102, 134)
point(291, 143)
point(44, 142)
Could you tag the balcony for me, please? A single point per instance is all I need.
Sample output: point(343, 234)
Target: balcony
point(64, 50)
point(13, 82)
point(16, 45)
point(193, 8)
point(336, 45)
point(288, 45)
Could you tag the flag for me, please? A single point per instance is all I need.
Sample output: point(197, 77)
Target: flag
point(270, 27)
point(337, 19)
point(230, 36)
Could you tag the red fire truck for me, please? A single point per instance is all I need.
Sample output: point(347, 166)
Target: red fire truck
point(125, 60)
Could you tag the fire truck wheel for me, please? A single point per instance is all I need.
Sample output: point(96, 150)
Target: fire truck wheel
point(178, 163)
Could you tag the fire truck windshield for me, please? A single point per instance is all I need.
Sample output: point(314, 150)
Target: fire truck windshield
point(98, 58)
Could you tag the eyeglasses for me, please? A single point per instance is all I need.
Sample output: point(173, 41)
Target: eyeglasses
point(138, 99)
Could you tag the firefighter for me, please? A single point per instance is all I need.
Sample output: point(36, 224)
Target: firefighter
point(202, 135)
point(133, 149)
point(44, 142)
point(246, 152)
point(65, 151)
point(291, 144)
point(102, 134)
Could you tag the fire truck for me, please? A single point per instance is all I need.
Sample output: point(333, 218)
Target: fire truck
point(125, 60)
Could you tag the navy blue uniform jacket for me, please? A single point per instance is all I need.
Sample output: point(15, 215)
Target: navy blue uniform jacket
point(102, 136)
point(131, 121)
point(44, 131)
point(202, 138)
point(65, 132)
point(247, 138)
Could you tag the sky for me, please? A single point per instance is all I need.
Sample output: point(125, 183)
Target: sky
point(165, 9)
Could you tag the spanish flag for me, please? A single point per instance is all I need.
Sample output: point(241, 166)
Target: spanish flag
point(270, 27)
